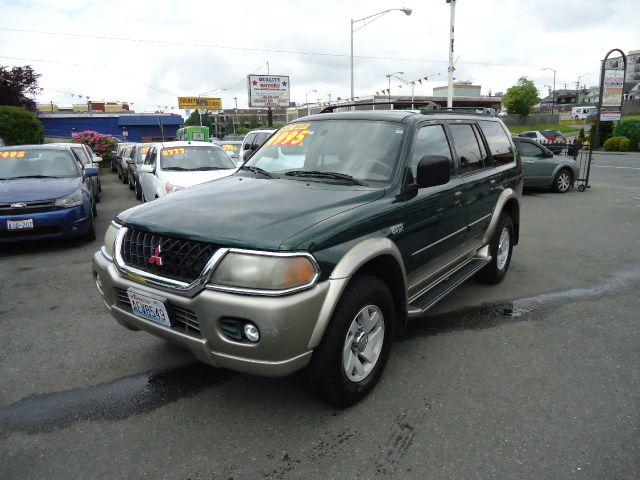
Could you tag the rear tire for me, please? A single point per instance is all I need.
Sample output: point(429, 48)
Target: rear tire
point(138, 190)
point(500, 248)
point(350, 359)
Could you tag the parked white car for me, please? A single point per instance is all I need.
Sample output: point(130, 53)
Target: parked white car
point(171, 166)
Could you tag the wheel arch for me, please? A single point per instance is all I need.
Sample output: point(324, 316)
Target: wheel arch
point(378, 257)
point(509, 203)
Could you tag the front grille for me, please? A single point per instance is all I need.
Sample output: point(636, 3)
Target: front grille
point(183, 319)
point(177, 259)
point(29, 208)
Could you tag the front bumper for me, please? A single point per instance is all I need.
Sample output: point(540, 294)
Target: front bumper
point(66, 222)
point(286, 323)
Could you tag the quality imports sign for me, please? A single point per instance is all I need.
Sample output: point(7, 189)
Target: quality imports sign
point(203, 103)
point(268, 91)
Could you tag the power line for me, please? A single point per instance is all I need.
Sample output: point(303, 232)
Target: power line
point(262, 50)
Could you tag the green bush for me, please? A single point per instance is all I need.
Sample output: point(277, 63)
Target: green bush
point(18, 126)
point(606, 131)
point(617, 144)
point(629, 129)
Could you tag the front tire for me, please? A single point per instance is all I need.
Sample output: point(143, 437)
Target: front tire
point(350, 359)
point(500, 248)
point(562, 181)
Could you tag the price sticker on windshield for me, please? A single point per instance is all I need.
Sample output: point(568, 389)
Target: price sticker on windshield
point(13, 154)
point(144, 150)
point(173, 151)
point(229, 148)
point(292, 135)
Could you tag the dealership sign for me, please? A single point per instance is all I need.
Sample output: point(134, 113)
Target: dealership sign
point(202, 103)
point(613, 83)
point(268, 91)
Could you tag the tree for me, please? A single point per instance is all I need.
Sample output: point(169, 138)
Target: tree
point(194, 120)
point(18, 126)
point(253, 121)
point(17, 85)
point(521, 97)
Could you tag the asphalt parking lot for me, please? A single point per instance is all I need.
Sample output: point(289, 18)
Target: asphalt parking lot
point(537, 377)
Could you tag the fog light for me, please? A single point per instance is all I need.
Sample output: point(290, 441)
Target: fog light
point(251, 332)
point(98, 280)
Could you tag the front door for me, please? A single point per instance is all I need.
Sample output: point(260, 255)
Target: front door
point(435, 217)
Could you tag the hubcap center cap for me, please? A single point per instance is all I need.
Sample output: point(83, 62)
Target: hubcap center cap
point(360, 342)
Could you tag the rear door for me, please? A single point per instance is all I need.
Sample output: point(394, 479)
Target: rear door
point(475, 169)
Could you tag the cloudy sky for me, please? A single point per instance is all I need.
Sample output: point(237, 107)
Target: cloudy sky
point(150, 52)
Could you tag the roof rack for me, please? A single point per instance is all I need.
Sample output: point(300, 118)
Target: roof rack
point(425, 105)
point(470, 110)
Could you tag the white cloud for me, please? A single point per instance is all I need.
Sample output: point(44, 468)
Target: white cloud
point(496, 43)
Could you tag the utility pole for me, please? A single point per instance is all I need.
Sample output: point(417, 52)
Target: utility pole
point(235, 117)
point(451, 67)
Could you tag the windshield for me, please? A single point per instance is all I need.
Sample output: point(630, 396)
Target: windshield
point(363, 149)
point(231, 148)
point(141, 152)
point(37, 164)
point(194, 158)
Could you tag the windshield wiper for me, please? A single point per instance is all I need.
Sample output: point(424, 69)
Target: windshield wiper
point(32, 176)
point(200, 169)
point(175, 168)
point(316, 173)
point(257, 170)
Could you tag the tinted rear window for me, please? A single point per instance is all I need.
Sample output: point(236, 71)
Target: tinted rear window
point(498, 141)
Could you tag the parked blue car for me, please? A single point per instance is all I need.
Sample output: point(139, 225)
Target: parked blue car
point(45, 192)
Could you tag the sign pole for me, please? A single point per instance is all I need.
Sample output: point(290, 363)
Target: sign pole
point(596, 136)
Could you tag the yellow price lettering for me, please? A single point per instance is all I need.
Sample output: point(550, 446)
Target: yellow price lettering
point(13, 154)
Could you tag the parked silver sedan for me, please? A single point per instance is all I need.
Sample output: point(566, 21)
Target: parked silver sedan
point(544, 169)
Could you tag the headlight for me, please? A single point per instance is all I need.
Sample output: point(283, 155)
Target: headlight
point(69, 201)
point(265, 272)
point(110, 238)
point(172, 188)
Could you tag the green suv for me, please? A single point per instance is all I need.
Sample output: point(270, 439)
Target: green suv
point(322, 246)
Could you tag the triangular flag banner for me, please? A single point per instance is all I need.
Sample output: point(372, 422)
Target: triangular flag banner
point(377, 93)
point(413, 82)
point(426, 78)
point(420, 80)
point(72, 94)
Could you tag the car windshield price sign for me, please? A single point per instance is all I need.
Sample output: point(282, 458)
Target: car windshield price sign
point(268, 91)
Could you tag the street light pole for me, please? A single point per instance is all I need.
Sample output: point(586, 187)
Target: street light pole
point(366, 21)
point(451, 68)
point(306, 100)
point(578, 86)
point(553, 94)
point(389, 75)
point(411, 84)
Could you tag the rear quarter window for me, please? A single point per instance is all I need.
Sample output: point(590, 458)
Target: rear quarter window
point(498, 141)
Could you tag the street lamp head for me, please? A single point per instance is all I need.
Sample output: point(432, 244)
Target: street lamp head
point(407, 11)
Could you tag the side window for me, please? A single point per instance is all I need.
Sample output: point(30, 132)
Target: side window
point(250, 140)
point(151, 157)
point(529, 149)
point(498, 141)
point(466, 143)
point(430, 140)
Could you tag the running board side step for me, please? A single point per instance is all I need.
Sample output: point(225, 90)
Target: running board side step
point(432, 296)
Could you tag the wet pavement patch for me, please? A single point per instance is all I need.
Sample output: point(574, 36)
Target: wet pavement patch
point(493, 315)
point(117, 400)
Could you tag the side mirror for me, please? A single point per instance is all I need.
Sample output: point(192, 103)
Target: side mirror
point(130, 161)
point(97, 159)
point(146, 168)
point(91, 171)
point(433, 170)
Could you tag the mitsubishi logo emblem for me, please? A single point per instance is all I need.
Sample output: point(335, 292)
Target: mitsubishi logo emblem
point(155, 258)
point(18, 205)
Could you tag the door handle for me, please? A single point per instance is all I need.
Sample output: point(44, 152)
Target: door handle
point(529, 161)
point(457, 196)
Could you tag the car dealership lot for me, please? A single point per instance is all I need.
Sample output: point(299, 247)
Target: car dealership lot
point(534, 378)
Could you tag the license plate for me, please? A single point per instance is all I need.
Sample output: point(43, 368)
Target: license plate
point(149, 308)
point(26, 224)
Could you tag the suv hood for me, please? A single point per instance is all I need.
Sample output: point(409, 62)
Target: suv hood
point(33, 189)
point(247, 212)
